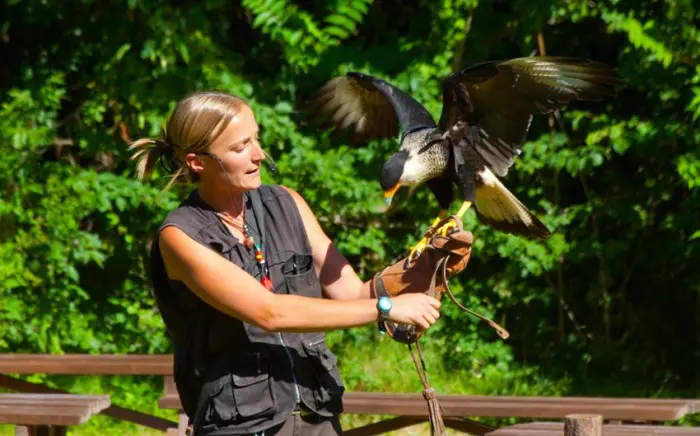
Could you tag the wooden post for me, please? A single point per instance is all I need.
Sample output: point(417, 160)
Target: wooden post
point(583, 425)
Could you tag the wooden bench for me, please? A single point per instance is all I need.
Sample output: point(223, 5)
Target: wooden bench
point(412, 409)
point(48, 414)
point(84, 364)
point(557, 429)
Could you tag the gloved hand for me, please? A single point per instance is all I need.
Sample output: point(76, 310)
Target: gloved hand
point(423, 274)
point(416, 276)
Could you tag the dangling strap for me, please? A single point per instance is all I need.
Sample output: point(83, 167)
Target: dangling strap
point(435, 412)
point(503, 333)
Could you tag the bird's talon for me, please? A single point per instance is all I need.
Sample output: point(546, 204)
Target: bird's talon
point(417, 249)
point(445, 229)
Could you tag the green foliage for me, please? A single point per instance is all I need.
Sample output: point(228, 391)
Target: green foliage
point(607, 306)
point(304, 40)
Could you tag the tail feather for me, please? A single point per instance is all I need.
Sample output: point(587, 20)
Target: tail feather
point(499, 208)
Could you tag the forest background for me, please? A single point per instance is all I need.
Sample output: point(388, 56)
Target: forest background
point(610, 305)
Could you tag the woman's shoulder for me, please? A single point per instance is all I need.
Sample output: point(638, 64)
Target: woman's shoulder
point(285, 198)
point(271, 192)
point(190, 216)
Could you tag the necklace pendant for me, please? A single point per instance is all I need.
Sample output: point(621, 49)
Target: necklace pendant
point(265, 281)
point(248, 242)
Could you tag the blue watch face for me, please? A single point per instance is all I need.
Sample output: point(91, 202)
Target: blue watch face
point(384, 303)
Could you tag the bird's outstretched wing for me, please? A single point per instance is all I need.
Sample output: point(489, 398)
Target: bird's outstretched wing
point(367, 107)
point(501, 97)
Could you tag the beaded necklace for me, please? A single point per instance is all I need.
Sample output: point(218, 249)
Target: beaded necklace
point(249, 243)
point(248, 240)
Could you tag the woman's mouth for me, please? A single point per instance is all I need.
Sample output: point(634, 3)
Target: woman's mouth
point(253, 172)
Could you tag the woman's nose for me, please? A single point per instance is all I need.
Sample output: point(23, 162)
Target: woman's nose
point(258, 153)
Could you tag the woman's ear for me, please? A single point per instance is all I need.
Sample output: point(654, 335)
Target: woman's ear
point(194, 162)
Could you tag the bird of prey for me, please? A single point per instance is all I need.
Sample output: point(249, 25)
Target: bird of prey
point(486, 113)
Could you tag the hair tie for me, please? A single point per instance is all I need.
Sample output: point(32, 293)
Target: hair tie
point(163, 144)
point(166, 151)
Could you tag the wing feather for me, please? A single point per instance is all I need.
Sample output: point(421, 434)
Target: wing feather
point(501, 97)
point(366, 107)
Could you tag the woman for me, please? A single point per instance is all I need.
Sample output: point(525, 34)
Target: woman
point(247, 282)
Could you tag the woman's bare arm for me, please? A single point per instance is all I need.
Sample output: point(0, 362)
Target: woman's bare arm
point(231, 290)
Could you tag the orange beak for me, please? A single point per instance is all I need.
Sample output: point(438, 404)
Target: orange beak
point(389, 194)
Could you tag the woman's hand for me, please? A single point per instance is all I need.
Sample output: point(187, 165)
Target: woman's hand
point(418, 309)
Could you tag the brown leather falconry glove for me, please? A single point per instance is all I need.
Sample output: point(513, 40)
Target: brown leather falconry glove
point(442, 258)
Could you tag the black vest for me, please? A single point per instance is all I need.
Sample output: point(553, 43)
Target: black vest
point(246, 379)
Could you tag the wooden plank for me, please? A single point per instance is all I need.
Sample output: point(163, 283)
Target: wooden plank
point(557, 429)
point(384, 426)
point(553, 407)
point(494, 408)
point(86, 364)
point(140, 418)
point(374, 403)
point(93, 403)
point(468, 426)
point(112, 411)
point(169, 386)
point(531, 400)
point(170, 401)
point(43, 415)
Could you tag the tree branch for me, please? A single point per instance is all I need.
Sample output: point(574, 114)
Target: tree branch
point(461, 45)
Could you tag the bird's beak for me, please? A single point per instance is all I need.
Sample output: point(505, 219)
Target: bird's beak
point(389, 193)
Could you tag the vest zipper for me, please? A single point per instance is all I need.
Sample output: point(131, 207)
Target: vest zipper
point(291, 364)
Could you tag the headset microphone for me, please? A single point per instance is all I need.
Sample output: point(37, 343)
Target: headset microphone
point(269, 162)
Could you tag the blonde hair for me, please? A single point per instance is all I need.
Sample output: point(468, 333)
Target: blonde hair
point(194, 125)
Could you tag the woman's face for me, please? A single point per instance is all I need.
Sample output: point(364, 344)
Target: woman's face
point(239, 150)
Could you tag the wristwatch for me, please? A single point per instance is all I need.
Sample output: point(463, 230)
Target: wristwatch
point(384, 307)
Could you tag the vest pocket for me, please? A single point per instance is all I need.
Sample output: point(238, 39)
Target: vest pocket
point(251, 384)
point(300, 276)
point(244, 392)
point(327, 374)
point(253, 393)
point(221, 405)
